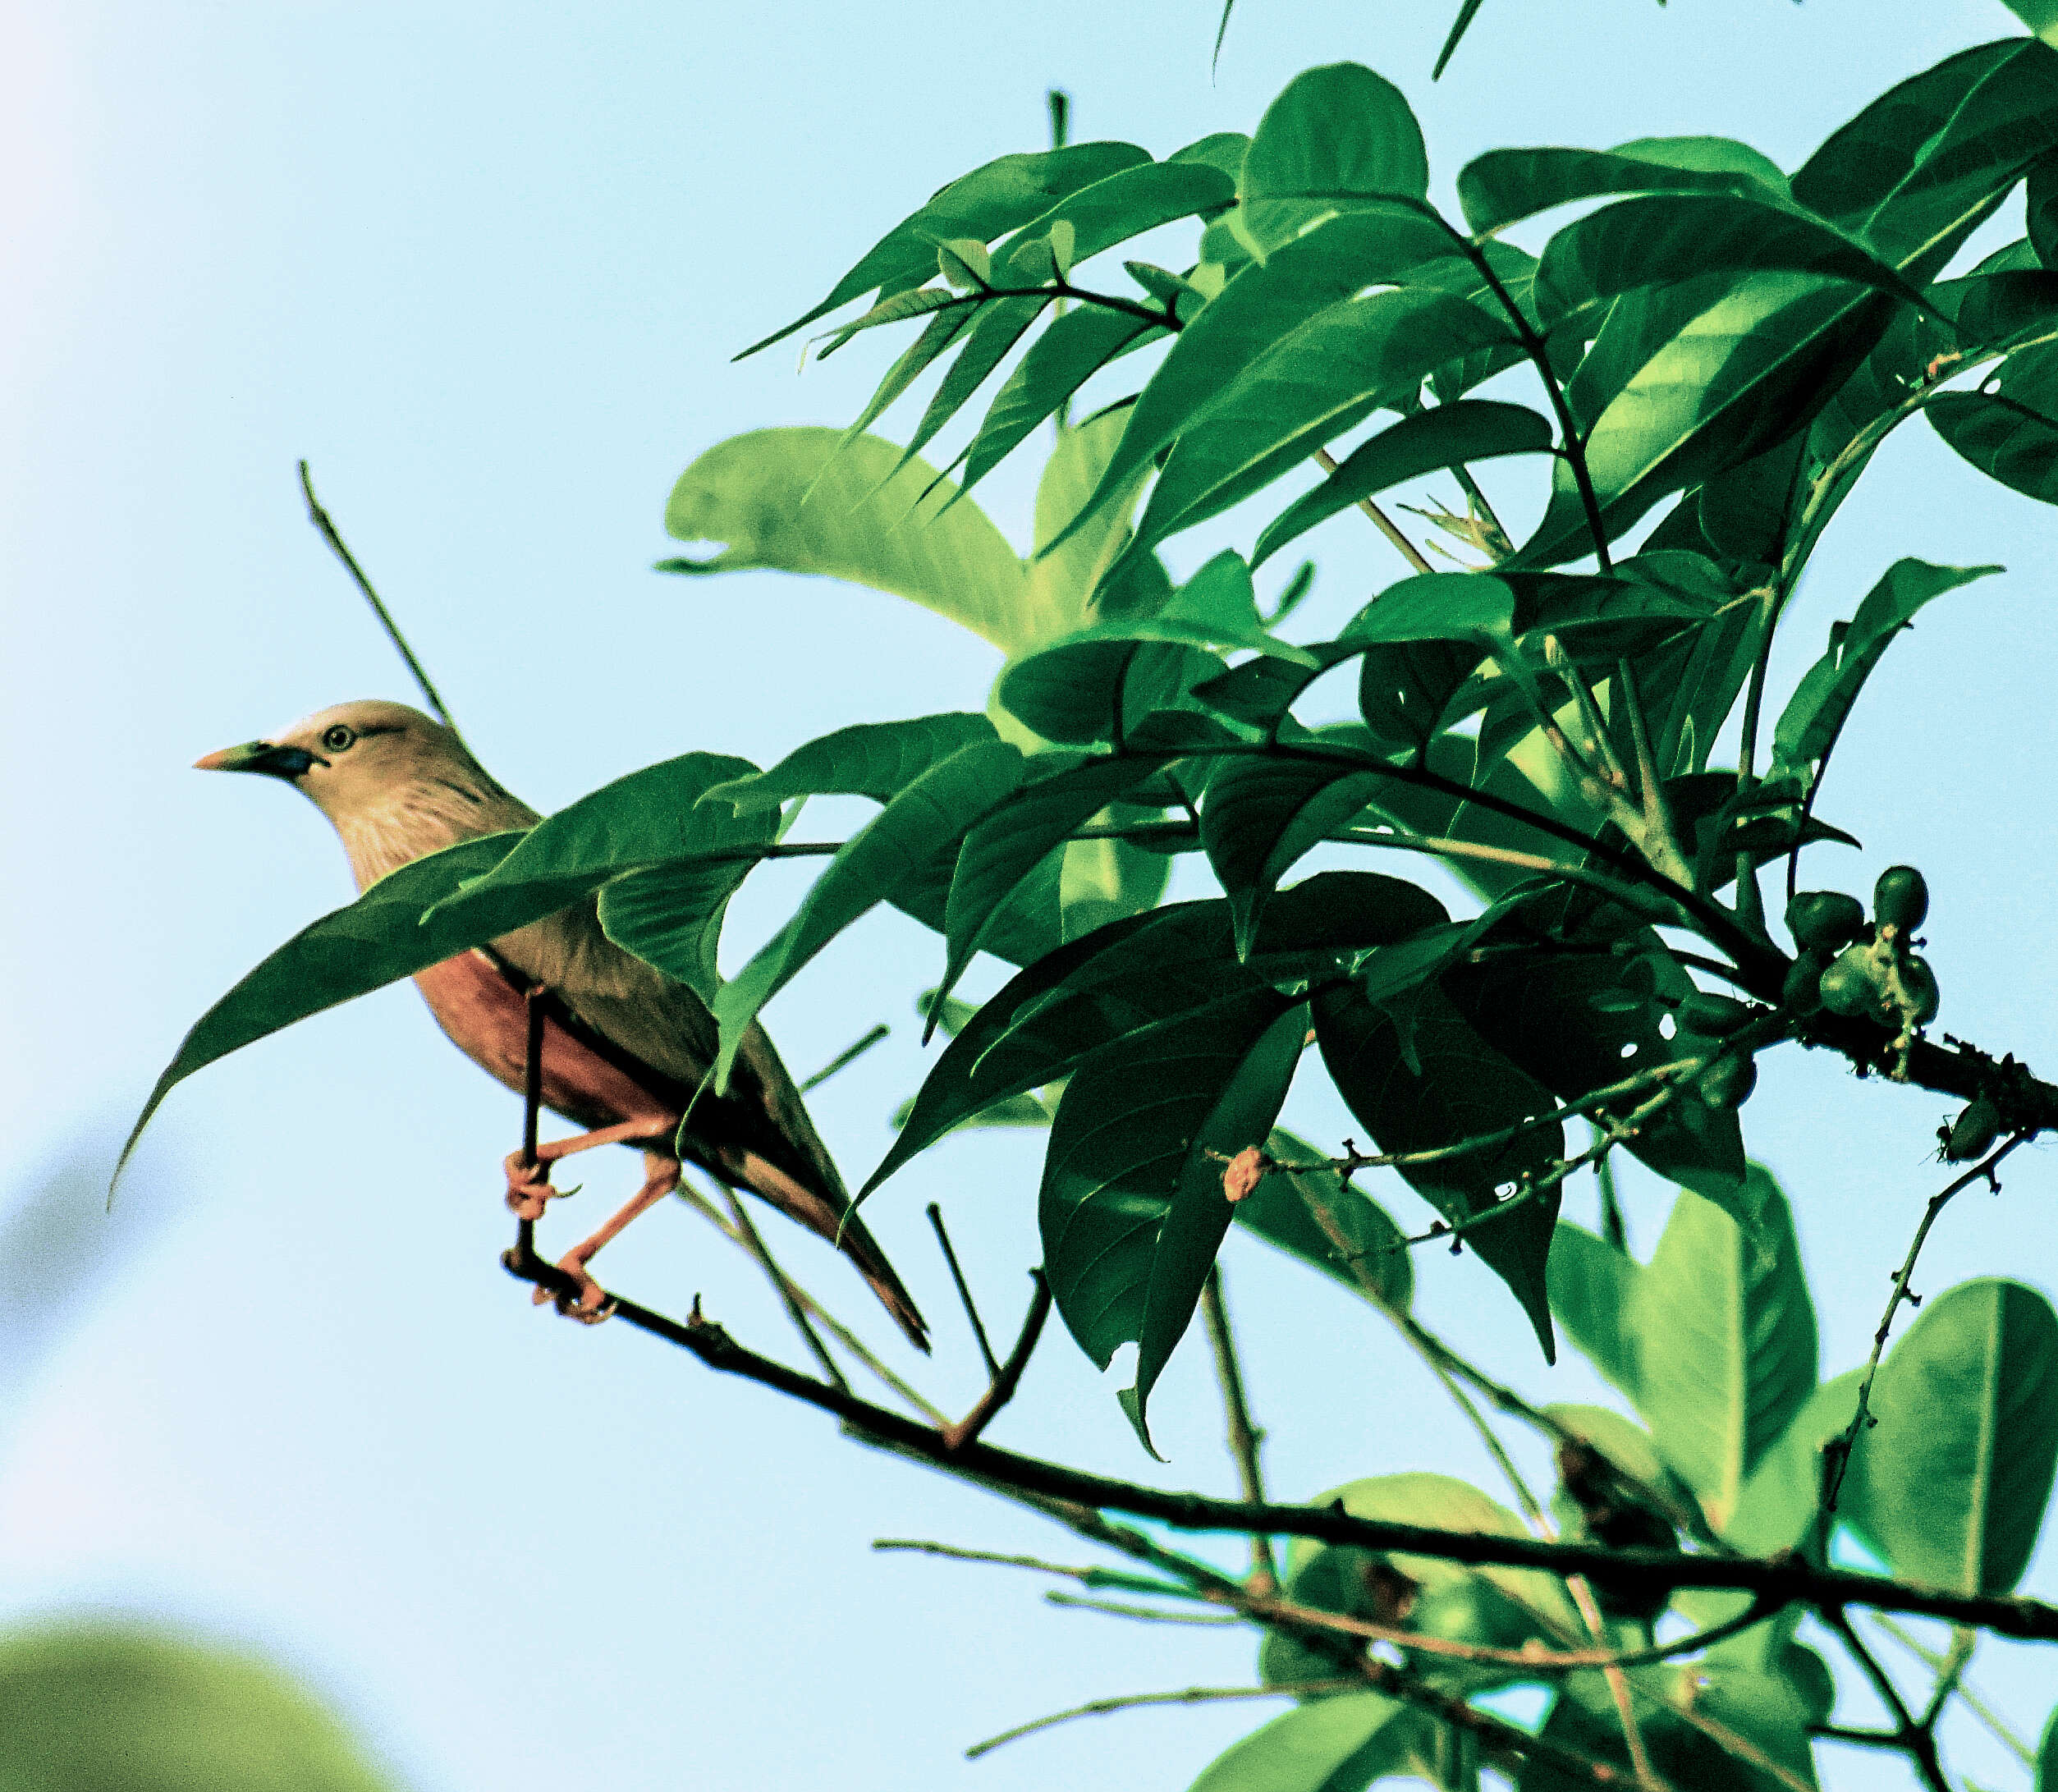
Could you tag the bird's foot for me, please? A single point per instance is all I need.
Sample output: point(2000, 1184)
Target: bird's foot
point(528, 1189)
point(588, 1301)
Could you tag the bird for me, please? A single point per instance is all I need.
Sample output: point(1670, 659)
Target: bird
point(626, 1049)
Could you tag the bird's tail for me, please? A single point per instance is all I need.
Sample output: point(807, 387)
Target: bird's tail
point(839, 1225)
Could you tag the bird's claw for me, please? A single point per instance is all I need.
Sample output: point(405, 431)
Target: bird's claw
point(528, 1189)
point(588, 1302)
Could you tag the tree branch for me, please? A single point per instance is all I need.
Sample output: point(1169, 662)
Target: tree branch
point(1001, 1390)
point(1244, 1436)
point(1780, 1581)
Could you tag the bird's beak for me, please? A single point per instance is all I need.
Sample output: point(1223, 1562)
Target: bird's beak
point(287, 763)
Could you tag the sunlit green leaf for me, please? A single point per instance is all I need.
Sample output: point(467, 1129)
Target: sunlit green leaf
point(1301, 1751)
point(1504, 186)
point(877, 759)
point(1336, 137)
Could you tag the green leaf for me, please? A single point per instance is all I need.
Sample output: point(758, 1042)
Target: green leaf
point(877, 759)
point(793, 500)
point(1743, 373)
point(901, 845)
point(1060, 361)
point(1062, 582)
point(1449, 435)
point(1776, 1510)
point(1240, 1107)
point(1915, 170)
point(380, 938)
point(642, 819)
point(1260, 815)
point(1101, 683)
point(954, 315)
point(1001, 196)
point(1000, 324)
point(1133, 200)
point(1504, 186)
point(1671, 238)
point(1466, 11)
point(1576, 993)
point(1714, 1341)
point(1463, 1088)
point(1004, 848)
point(964, 262)
point(2010, 434)
point(1279, 1210)
point(1337, 136)
point(93, 1706)
point(1126, 1152)
point(1301, 1751)
point(1126, 975)
point(2048, 1756)
point(1258, 308)
point(1350, 360)
point(1951, 1481)
point(1815, 714)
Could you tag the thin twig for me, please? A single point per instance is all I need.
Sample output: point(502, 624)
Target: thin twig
point(777, 1276)
point(1384, 523)
point(844, 1335)
point(1836, 1454)
point(965, 1292)
point(1618, 1688)
point(1191, 1695)
point(1008, 1376)
point(847, 1056)
point(1782, 1580)
point(1115, 1608)
point(1983, 1713)
point(320, 519)
point(1245, 1438)
point(1908, 1736)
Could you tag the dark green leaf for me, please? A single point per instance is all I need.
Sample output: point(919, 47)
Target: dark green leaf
point(89, 1707)
point(1001, 196)
point(1951, 1483)
point(2010, 435)
point(1463, 1088)
point(937, 337)
point(1815, 714)
point(377, 940)
point(1504, 186)
point(1336, 137)
point(1448, 435)
point(1242, 1097)
point(1126, 1151)
point(901, 845)
point(1132, 200)
point(1369, 1258)
point(1466, 11)
point(1000, 325)
point(1004, 848)
point(2048, 1756)
point(877, 759)
point(1260, 815)
point(793, 500)
point(2042, 209)
point(1714, 1341)
point(1921, 166)
point(1099, 687)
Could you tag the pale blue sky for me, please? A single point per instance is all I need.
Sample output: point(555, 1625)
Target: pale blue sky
point(485, 266)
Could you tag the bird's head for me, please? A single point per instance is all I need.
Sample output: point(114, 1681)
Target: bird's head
point(395, 782)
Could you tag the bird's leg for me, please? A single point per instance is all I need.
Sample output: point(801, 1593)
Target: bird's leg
point(529, 1170)
point(661, 1177)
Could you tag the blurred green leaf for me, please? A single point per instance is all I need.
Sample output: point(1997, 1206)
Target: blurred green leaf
point(798, 501)
point(92, 1707)
point(1777, 1507)
point(379, 939)
point(1951, 1481)
point(1714, 1341)
point(1302, 1750)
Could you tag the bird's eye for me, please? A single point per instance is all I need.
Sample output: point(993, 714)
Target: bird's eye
point(339, 737)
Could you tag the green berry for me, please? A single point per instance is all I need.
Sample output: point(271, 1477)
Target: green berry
point(1851, 986)
point(1919, 981)
point(1728, 1082)
point(1802, 994)
point(1714, 1017)
point(1972, 1133)
point(1900, 899)
point(1824, 918)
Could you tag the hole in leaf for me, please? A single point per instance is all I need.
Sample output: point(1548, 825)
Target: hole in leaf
point(1628, 1051)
